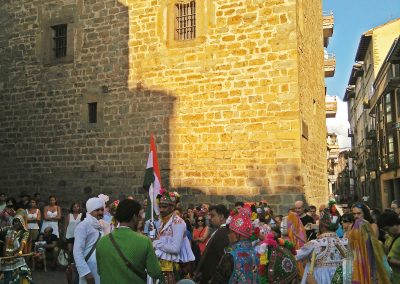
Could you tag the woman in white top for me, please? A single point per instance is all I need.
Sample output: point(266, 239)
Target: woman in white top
point(72, 220)
point(34, 217)
point(51, 216)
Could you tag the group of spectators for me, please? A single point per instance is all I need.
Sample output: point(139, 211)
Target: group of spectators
point(103, 238)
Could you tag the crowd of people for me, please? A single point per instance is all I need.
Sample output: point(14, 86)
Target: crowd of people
point(111, 241)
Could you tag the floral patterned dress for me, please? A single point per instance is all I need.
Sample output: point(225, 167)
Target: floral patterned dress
point(328, 258)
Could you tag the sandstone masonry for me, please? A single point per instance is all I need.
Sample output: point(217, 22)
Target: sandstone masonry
point(238, 112)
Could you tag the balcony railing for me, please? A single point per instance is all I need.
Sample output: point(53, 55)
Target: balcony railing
point(329, 64)
point(350, 133)
point(327, 25)
point(331, 107)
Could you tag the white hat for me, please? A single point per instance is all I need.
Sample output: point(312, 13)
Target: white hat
point(94, 203)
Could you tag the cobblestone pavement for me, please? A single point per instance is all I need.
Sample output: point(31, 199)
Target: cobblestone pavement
point(49, 277)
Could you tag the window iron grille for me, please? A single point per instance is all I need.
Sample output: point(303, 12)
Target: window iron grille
point(60, 40)
point(185, 20)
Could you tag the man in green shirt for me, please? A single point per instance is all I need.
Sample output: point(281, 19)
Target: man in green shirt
point(126, 256)
point(390, 222)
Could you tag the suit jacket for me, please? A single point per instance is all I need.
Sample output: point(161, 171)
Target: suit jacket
point(212, 254)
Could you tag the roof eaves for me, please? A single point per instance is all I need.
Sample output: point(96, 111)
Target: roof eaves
point(363, 46)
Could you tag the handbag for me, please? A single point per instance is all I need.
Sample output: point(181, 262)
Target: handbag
point(142, 275)
point(62, 258)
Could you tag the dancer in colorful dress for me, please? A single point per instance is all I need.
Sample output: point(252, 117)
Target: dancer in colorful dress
point(171, 245)
point(240, 262)
point(277, 260)
point(293, 231)
point(16, 238)
point(325, 252)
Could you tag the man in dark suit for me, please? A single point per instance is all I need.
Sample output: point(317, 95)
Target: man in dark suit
point(215, 246)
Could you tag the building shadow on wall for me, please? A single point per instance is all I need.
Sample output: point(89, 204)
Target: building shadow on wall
point(109, 159)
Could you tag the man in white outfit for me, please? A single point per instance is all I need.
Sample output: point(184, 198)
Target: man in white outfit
point(87, 233)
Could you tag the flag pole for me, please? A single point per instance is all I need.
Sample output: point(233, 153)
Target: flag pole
point(152, 205)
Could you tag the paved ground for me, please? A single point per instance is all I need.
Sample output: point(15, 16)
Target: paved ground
point(49, 277)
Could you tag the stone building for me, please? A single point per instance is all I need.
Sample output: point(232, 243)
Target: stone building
point(332, 154)
point(344, 184)
point(232, 89)
point(385, 108)
point(372, 50)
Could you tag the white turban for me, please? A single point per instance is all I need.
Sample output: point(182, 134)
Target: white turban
point(94, 203)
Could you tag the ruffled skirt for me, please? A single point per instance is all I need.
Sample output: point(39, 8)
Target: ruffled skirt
point(185, 255)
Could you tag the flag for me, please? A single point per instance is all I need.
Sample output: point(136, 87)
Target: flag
point(152, 180)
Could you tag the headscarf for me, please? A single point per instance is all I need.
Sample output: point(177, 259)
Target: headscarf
point(21, 216)
point(296, 235)
point(94, 203)
point(295, 230)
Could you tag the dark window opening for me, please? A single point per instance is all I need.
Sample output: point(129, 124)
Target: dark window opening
point(185, 20)
point(60, 40)
point(92, 110)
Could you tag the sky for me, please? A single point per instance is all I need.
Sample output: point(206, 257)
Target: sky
point(352, 19)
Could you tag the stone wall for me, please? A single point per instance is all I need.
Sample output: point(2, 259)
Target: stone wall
point(312, 102)
point(225, 108)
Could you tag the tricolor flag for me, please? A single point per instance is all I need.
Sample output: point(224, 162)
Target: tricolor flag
point(152, 179)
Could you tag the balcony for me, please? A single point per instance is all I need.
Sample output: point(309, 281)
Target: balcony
point(327, 25)
point(350, 133)
point(350, 93)
point(331, 107)
point(329, 65)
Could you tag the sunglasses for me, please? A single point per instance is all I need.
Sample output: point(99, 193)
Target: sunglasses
point(200, 220)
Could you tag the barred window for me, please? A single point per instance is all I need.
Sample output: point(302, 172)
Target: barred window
point(185, 20)
point(60, 40)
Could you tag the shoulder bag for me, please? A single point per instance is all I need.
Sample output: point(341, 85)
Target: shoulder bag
point(142, 275)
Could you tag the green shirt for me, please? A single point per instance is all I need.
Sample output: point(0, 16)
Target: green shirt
point(395, 254)
point(137, 248)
